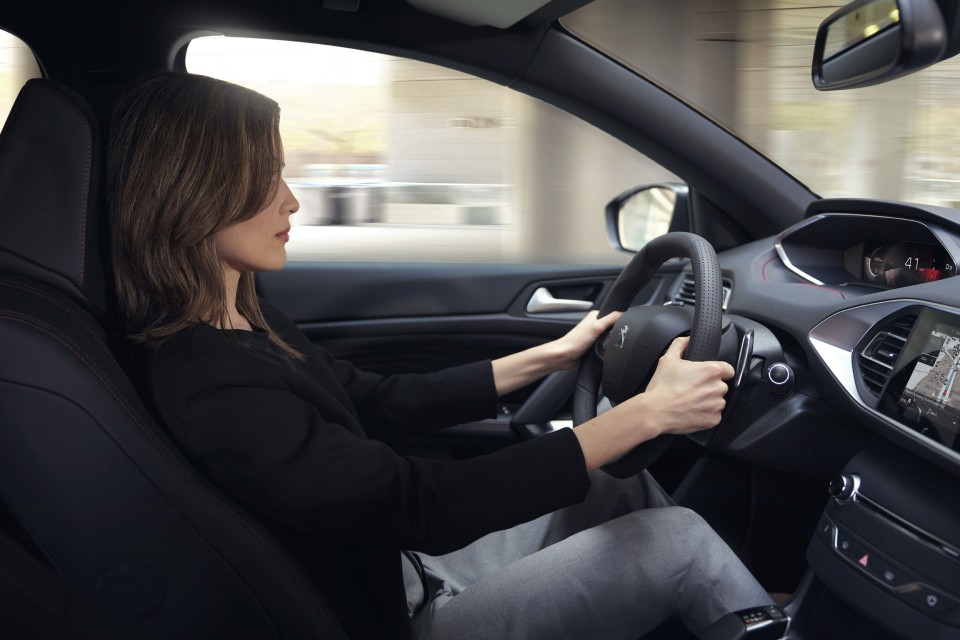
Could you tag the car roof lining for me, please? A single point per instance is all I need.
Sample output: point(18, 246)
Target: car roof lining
point(499, 13)
point(494, 13)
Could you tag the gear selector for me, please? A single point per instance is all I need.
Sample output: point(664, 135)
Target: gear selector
point(759, 623)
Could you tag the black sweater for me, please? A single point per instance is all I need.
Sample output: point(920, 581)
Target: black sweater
point(288, 440)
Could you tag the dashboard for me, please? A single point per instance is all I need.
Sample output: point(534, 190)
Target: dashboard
point(897, 359)
point(862, 297)
point(895, 356)
point(867, 290)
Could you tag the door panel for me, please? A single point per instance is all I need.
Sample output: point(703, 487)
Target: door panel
point(320, 292)
point(395, 318)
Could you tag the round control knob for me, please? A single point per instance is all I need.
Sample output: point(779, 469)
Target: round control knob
point(844, 487)
point(780, 378)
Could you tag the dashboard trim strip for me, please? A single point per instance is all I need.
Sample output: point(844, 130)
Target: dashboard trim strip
point(778, 245)
point(905, 527)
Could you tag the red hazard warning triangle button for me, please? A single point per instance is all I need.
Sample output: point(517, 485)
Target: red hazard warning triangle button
point(864, 560)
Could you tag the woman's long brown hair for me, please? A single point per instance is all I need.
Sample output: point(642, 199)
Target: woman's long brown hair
point(188, 157)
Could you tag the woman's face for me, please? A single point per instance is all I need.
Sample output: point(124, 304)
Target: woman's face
point(258, 243)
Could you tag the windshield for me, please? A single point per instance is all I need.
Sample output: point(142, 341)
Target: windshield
point(749, 70)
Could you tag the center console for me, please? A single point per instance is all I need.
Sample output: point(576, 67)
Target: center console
point(888, 543)
point(888, 540)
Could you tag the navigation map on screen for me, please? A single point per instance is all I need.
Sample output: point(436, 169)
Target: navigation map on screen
point(934, 384)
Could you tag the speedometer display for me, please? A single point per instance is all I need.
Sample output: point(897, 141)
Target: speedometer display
point(901, 264)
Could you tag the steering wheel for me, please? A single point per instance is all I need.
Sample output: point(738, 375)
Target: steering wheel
point(628, 356)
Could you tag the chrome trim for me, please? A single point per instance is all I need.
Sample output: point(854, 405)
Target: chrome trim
point(836, 359)
point(778, 245)
point(834, 340)
point(834, 531)
point(542, 301)
point(952, 248)
point(854, 492)
point(905, 527)
point(877, 340)
point(743, 358)
point(779, 365)
point(875, 361)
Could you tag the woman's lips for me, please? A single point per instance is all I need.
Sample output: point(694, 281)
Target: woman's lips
point(284, 235)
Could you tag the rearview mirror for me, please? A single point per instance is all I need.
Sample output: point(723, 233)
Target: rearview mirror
point(872, 41)
point(639, 215)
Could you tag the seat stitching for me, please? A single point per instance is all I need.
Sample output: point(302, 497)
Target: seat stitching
point(251, 533)
point(51, 299)
point(86, 178)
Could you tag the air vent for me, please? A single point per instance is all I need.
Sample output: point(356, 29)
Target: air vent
point(878, 357)
point(687, 293)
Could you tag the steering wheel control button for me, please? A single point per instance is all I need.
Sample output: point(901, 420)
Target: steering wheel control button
point(780, 379)
point(843, 488)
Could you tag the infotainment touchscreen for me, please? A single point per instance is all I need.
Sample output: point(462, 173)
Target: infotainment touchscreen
point(931, 394)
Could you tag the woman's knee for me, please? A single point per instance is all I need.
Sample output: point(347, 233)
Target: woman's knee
point(683, 519)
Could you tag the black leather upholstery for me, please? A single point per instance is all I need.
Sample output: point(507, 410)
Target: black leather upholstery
point(48, 153)
point(157, 550)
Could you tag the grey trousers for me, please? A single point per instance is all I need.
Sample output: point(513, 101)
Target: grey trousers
point(614, 566)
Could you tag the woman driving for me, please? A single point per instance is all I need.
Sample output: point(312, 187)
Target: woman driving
point(527, 542)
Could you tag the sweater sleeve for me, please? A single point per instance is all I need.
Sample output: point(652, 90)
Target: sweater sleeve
point(403, 403)
point(418, 402)
point(296, 463)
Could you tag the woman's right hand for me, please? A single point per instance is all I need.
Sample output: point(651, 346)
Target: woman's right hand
point(687, 396)
point(682, 397)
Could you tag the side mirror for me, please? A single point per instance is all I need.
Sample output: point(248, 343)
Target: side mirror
point(638, 215)
point(871, 41)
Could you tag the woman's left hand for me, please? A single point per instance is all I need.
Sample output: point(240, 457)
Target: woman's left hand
point(519, 369)
point(573, 345)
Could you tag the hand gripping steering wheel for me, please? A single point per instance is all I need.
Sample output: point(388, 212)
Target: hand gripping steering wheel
point(629, 355)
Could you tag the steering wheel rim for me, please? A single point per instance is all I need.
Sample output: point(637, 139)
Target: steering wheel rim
point(705, 332)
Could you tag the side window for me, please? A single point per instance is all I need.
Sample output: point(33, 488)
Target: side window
point(17, 65)
point(398, 160)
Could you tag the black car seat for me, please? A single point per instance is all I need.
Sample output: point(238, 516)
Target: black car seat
point(154, 549)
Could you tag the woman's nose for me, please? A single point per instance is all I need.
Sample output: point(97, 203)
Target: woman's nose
point(290, 203)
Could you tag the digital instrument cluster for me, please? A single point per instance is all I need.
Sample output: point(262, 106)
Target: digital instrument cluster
point(842, 249)
point(900, 264)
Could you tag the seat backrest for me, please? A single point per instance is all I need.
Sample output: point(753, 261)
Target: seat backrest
point(107, 498)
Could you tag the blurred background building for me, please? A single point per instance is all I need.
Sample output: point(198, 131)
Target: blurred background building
point(396, 159)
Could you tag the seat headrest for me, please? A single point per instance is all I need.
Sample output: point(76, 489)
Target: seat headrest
point(49, 192)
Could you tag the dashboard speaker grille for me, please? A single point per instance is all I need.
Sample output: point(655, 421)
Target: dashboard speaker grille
point(687, 293)
point(877, 359)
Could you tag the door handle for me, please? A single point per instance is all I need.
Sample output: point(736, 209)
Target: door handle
point(543, 301)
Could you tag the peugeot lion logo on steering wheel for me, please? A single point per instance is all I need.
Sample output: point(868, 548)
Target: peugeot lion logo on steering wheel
point(622, 338)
